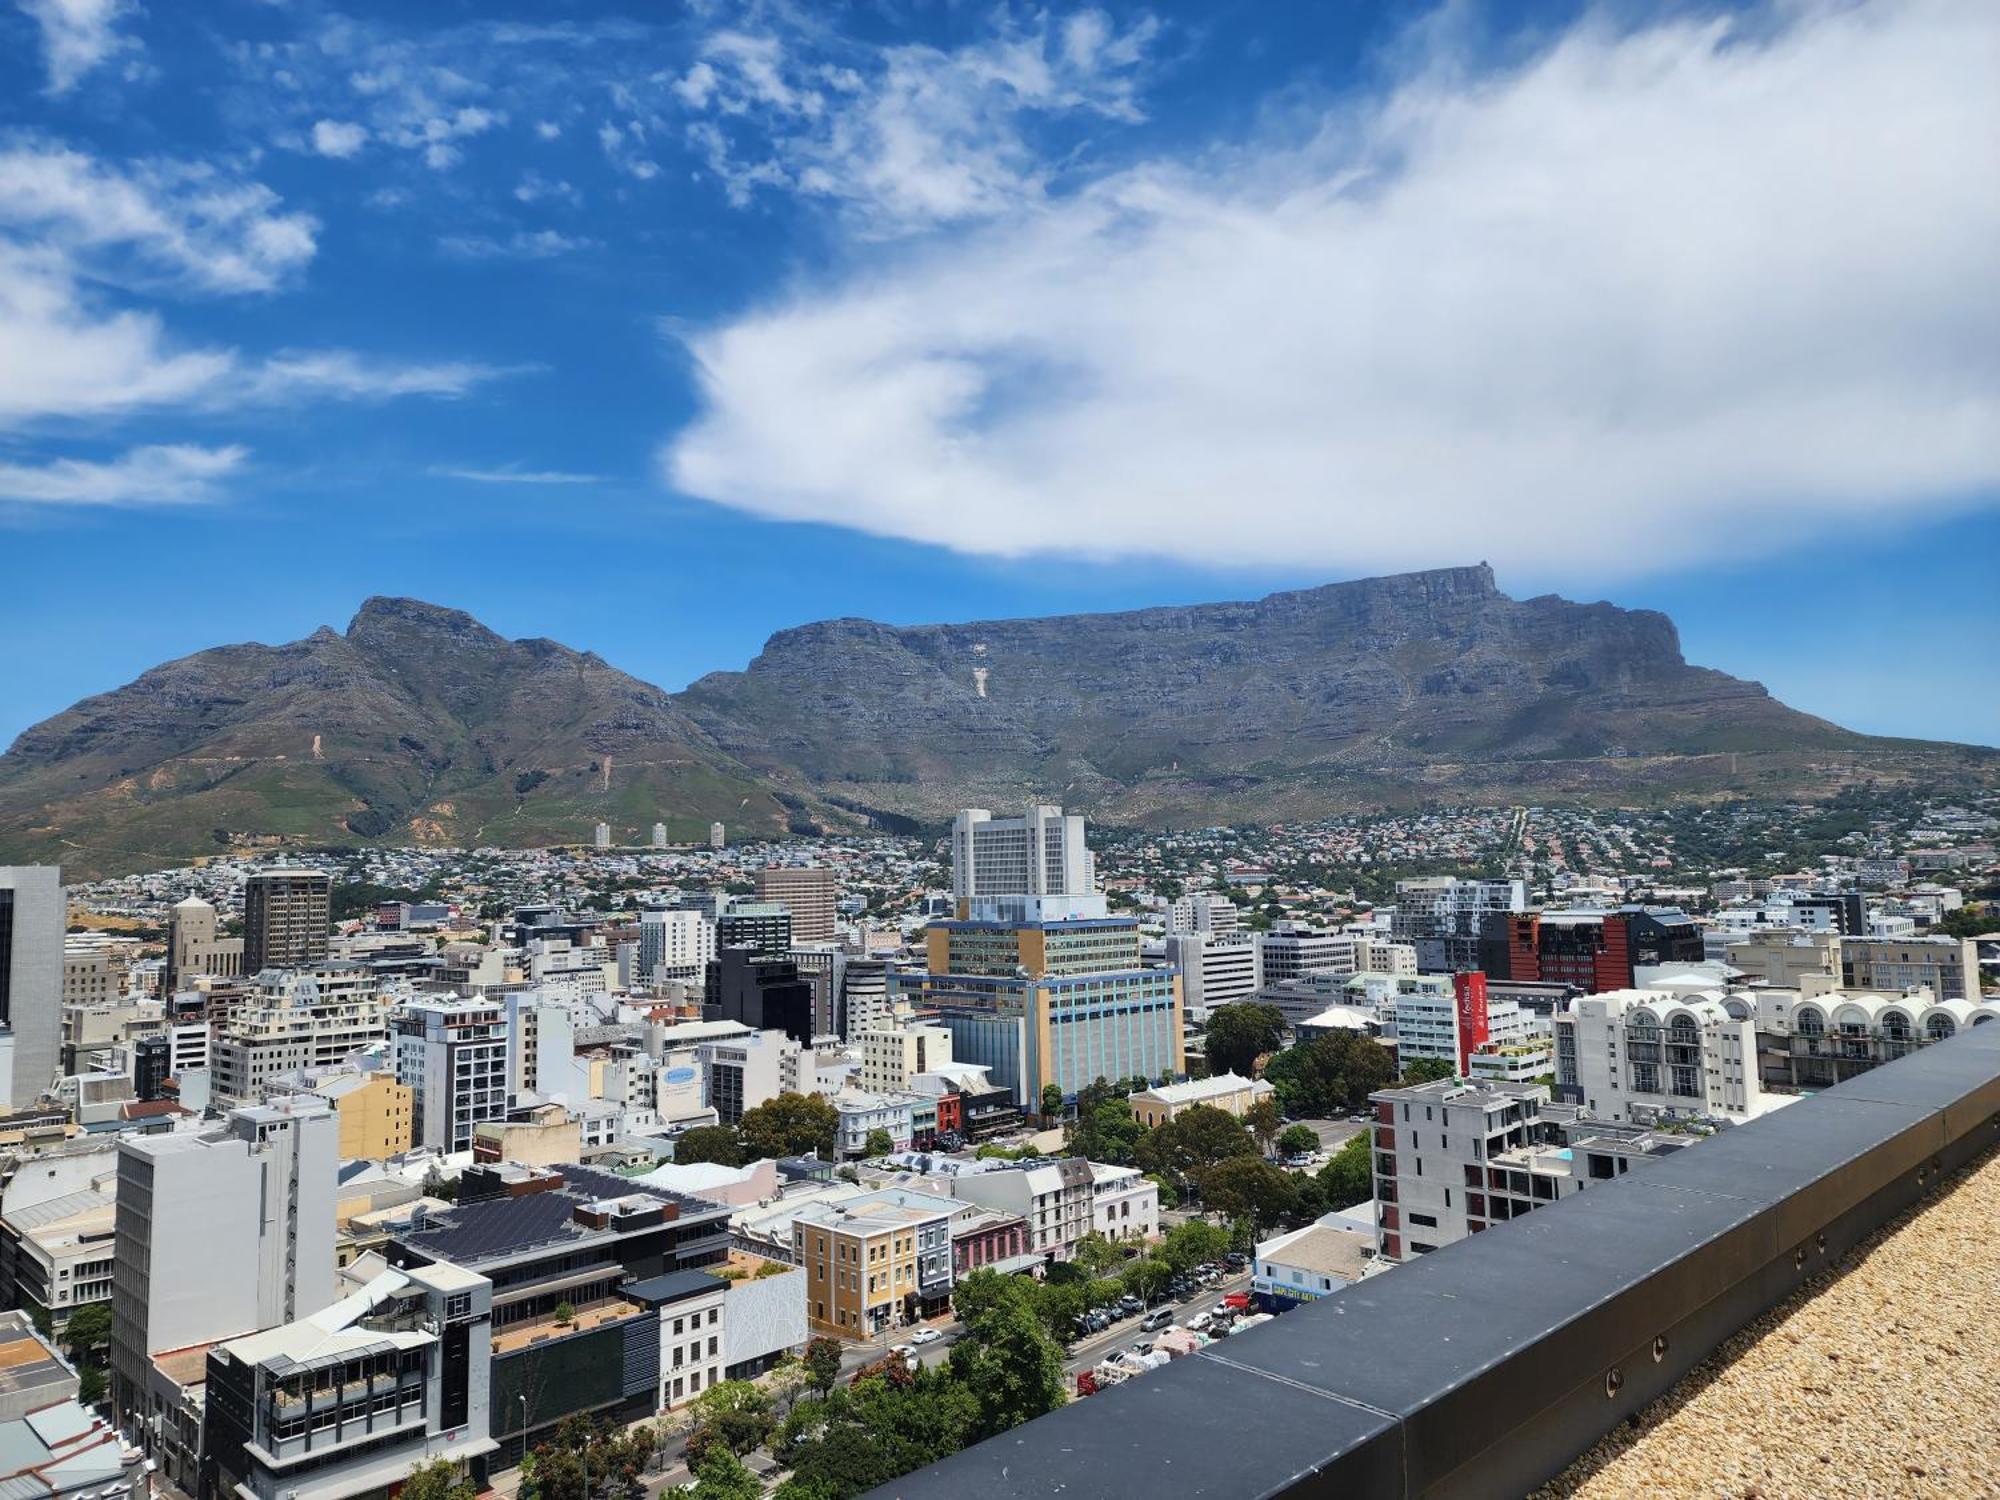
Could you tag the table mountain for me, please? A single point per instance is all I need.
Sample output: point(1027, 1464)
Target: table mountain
point(1420, 687)
point(421, 725)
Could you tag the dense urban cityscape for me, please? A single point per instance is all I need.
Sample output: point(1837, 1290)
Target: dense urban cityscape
point(747, 1163)
point(1020, 750)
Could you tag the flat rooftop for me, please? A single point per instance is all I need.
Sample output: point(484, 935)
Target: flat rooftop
point(1875, 1379)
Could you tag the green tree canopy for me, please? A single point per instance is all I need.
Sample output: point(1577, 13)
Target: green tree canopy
point(1052, 1100)
point(438, 1479)
point(1105, 1132)
point(1248, 1187)
point(1239, 1034)
point(1427, 1070)
point(1350, 1177)
point(790, 1125)
point(716, 1143)
point(721, 1476)
point(1298, 1140)
point(1332, 1074)
point(1191, 1142)
point(1264, 1122)
point(879, 1143)
point(1010, 1364)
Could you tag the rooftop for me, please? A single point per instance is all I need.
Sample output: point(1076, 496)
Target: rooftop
point(1852, 1383)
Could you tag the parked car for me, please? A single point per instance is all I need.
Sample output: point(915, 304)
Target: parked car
point(909, 1354)
point(1158, 1318)
point(1236, 1260)
point(925, 1336)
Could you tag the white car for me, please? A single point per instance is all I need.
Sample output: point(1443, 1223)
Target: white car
point(925, 1336)
point(905, 1350)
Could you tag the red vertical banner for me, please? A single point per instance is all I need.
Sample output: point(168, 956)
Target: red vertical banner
point(1472, 1024)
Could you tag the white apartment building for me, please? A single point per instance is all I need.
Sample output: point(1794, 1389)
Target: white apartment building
point(1291, 950)
point(743, 1071)
point(1215, 970)
point(1036, 867)
point(674, 945)
point(1125, 1203)
point(1454, 1157)
point(297, 1019)
point(1206, 914)
point(1057, 1199)
point(220, 1233)
point(692, 1307)
point(1427, 1025)
point(1643, 1055)
point(892, 1055)
point(1440, 917)
point(863, 1113)
point(452, 1056)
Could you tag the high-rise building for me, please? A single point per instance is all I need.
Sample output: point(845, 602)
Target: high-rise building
point(761, 926)
point(297, 1018)
point(1206, 914)
point(1648, 1056)
point(808, 892)
point(218, 1234)
point(602, 836)
point(33, 915)
point(1032, 868)
point(865, 1001)
point(1442, 917)
point(1216, 969)
point(891, 1055)
point(1291, 950)
point(1597, 951)
point(452, 1056)
point(286, 916)
point(1947, 967)
point(193, 948)
point(659, 835)
point(674, 944)
point(716, 839)
point(760, 991)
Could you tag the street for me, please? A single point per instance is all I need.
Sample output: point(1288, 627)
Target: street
point(1124, 1334)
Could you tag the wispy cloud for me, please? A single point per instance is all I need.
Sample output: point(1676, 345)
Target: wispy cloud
point(513, 474)
point(909, 136)
point(1652, 294)
point(78, 35)
point(164, 474)
point(537, 244)
point(183, 220)
point(346, 374)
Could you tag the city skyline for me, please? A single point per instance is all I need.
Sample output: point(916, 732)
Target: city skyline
point(928, 315)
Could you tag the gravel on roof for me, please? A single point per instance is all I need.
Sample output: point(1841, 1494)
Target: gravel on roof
point(1876, 1378)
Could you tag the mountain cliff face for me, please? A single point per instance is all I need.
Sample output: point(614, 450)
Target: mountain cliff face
point(420, 725)
point(417, 725)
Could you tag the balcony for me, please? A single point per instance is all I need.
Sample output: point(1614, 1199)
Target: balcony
point(1491, 1366)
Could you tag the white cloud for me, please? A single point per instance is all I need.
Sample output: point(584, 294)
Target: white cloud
point(1651, 295)
point(536, 244)
point(340, 139)
point(185, 219)
point(925, 135)
point(513, 474)
point(348, 375)
point(164, 474)
point(63, 355)
point(77, 35)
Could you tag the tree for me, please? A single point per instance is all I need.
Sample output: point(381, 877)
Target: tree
point(1249, 1187)
point(1264, 1122)
point(1191, 1142)
point(1009, 1364)
point(586, 1461)
point(1239, 1034)
point(1350, 1177)
point(1298, 1140)
point(438, 1479)
point(716, 1143)
point(1194, 1243)
point(879, 1143)
point(565, 1313)
point(87, 1332)
point(1052, 1100)
point(822, 1362)
point(91, 1383)
point(1147, 1277)
point(1094, 1254)
point(1427, 1070)
point(1332, 1074)
point(1105, 1132)
point(734, 1415)
point(790, 1125)
point(721, 1476)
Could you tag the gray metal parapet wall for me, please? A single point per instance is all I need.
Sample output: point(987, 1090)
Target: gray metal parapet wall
point(1486, 1367)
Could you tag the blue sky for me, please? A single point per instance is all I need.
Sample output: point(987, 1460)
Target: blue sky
point(657, 328)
